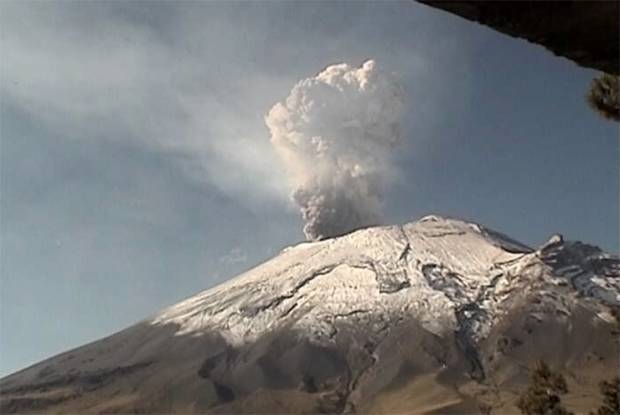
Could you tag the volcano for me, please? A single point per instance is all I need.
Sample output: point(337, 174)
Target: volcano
point(435, 316)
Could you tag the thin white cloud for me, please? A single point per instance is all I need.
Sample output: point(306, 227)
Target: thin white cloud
point(196, 81)
point(235, 256)
point(116, 81)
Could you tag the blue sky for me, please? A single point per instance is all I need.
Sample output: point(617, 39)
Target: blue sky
point(136, 167)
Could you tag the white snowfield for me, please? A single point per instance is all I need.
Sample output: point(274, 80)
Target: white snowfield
point(437, 270)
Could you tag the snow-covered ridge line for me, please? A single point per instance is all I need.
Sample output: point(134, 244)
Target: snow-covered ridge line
point(589, 270)
point(444, 272)
point(503, 241)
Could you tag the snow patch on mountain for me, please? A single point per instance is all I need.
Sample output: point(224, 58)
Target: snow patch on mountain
point(446, 273)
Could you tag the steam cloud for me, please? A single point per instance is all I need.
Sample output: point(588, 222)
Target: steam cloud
point(335, 133)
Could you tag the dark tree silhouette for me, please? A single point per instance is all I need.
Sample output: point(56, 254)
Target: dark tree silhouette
point(542, 397)
point(308, 384)
point(615, 312)
point(604, 96)
point(611, 397)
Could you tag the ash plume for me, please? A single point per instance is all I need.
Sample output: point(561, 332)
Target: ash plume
point(336, 132)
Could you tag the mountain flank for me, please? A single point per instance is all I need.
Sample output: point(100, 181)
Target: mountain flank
point(438, 315)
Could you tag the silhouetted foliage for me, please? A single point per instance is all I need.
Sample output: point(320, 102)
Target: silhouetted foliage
point(542, 397)
point(615, 312)
point(604, 96)
point(223, 392)
point(308, 384)
point(611, 397)
point(485, 409)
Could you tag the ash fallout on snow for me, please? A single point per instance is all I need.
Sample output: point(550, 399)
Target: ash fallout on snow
point(336, 133)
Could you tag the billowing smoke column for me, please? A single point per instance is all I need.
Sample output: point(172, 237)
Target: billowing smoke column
point(336, 132)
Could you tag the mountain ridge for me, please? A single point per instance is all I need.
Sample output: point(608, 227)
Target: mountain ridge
point(334, 325)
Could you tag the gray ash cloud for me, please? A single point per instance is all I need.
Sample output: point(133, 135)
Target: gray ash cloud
point(336, 133)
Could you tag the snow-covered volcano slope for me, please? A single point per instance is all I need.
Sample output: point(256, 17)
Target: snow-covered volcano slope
point(388, 271)
point(339, 325)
